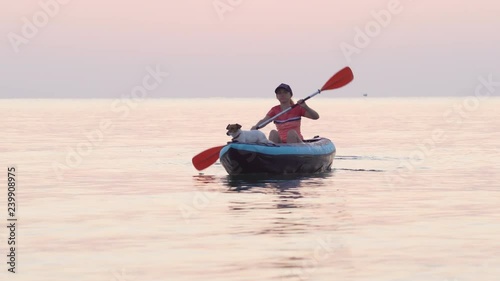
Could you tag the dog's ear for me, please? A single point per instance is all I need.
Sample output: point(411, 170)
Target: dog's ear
point(238, 126)
point(227, 128)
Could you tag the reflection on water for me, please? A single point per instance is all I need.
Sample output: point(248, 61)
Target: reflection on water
point(205, 179)
point(255, 183)
point(359, 170)
point(238, 183)
point(285, 188)
point(276, 199)
point(307, 230)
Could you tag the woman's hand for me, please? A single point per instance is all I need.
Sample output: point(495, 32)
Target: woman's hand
point(310, 113)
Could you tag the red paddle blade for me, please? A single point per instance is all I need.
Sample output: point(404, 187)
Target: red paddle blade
point(206, 158)
point(339, 79)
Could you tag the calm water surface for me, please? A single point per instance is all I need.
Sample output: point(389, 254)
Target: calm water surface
point(106, 191)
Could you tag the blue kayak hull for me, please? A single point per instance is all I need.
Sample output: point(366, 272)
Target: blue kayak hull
point(312, 156)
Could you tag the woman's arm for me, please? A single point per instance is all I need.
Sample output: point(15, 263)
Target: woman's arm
point(262, 120)
point(310, 113)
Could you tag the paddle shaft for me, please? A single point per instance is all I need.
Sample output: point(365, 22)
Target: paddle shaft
point(263, 124)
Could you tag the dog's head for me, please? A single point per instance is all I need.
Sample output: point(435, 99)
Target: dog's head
point(232, 129)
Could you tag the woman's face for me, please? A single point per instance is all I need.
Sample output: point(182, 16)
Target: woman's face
point(282, 95)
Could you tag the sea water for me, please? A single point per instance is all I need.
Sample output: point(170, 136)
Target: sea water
point(106, 191)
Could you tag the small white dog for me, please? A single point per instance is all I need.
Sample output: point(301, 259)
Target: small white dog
point(253, 136)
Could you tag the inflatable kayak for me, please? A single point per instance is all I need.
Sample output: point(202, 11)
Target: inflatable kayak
point(312, 156)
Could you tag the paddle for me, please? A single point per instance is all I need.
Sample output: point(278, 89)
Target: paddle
point(208, 157)
point(339, 79)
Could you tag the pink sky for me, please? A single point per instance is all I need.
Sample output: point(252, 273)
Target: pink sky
point(95, 49)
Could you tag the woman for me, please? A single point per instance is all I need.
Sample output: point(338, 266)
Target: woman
point(288, 124)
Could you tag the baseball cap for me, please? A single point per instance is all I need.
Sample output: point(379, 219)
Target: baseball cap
point(285, 87)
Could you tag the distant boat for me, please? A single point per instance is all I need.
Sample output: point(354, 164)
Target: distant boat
point(365, 95)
